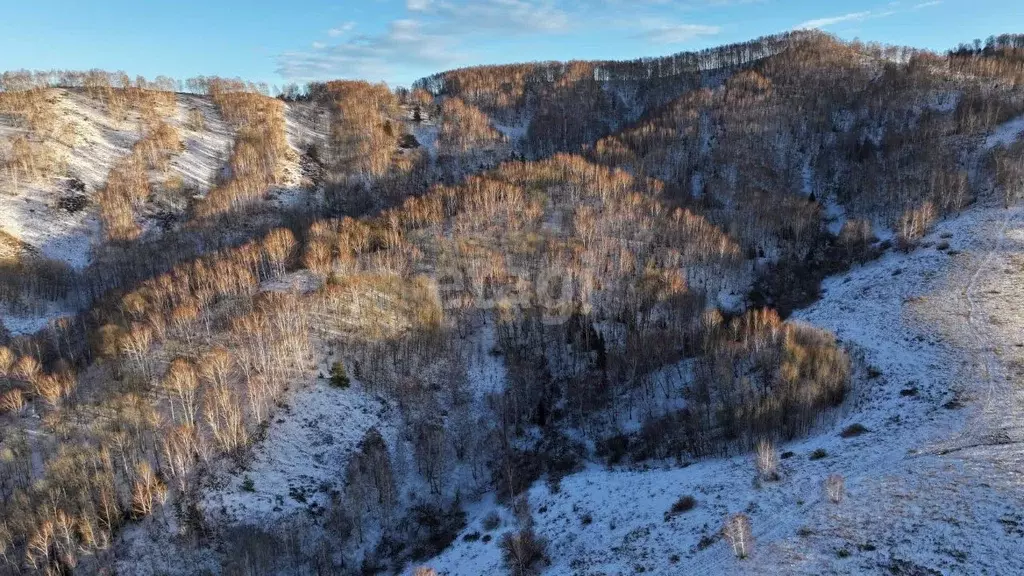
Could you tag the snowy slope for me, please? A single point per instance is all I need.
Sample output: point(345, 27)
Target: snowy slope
point(304, 456)
point(1006, 133)
point(911, 504)
point(206, 150)
point(33, 214)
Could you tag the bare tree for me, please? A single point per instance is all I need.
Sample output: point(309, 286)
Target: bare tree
point(182, 387)
point(835, 488)
point(766, 460)
point(737, 532)
point(147, 491)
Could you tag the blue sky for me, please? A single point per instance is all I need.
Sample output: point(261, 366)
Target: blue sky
point(400, 40)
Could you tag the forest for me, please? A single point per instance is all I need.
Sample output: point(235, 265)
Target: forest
point(626, 239)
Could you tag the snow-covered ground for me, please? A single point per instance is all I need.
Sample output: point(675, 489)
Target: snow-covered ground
point(304, 456)
point(32, 216)
point(515, 133)
point(20, 322)
point(935, 484)
point(32, 213)
point(1006, 133)
point(426, 133)
point(206, 150)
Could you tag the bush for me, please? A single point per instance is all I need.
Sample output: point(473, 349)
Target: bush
point(491, 521)
point(853, 430)
point(613, 449)
point(515, 472)
point(561, 455)
point(435, 528)
point(524, 552)
point(195, 121)
point(681, 506)
point(339, 377)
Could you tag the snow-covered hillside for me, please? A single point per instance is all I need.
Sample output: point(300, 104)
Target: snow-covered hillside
point(57, 218)
point(934, 484)
point(33, 213)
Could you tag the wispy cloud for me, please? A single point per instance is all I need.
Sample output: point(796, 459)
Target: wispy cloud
point(510, 16)
point(370, 56)
point(892, 8)
point(434, 33)
point(832, 20)
point(676, 33)
point(341, 30)
point(444, 33)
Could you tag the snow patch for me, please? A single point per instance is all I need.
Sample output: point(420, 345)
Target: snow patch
point(303, 458)
point(1005, 134)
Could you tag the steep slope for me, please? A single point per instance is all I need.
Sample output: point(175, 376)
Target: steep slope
point(353, 353)
point(56, 219)
point(550, 107)
point(938, 390)
point(41, 215)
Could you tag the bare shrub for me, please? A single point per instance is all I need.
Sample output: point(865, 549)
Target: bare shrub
point(195, 121)
point(737, 532)
point(491, 521)
point(147, 491)
point(362, 139)
point(681, 506)
point(12, 401)
point(853, 430)
point(260, 155)
point(524, 552)
point(835, 488)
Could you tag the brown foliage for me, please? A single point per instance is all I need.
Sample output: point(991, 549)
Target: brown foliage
point(464, 128)
point(260, 154)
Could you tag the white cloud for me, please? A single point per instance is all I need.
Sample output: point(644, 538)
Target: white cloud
point(434, 34)
point(340, 30)
point(825, 22)
point(371, 56)
point(676, 33)
point(510, 16)
point(894, 8)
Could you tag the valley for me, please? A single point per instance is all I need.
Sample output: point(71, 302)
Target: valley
point(753, 309)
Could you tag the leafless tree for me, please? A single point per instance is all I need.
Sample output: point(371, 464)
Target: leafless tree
point(835, 488)
point(737, 532)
